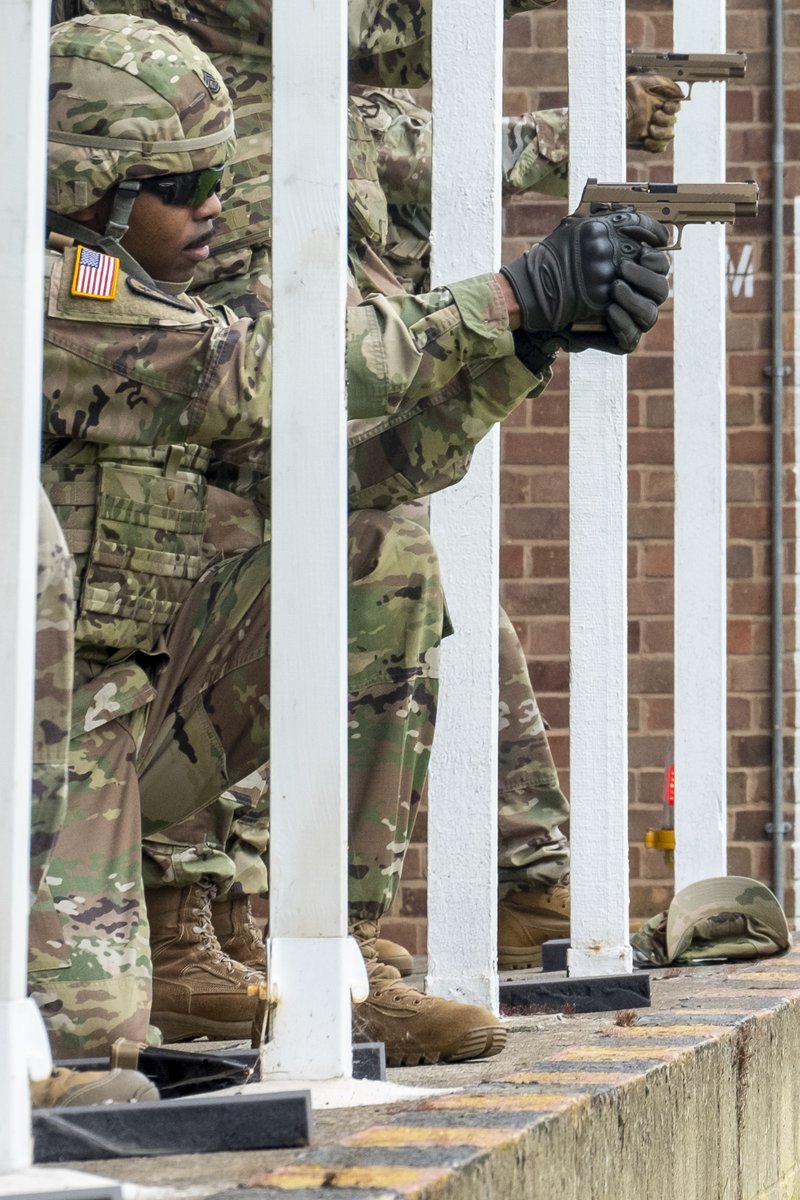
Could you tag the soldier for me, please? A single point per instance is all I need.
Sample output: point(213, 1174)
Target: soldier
point(225, 848)
point(533, 854)
point(149, 396)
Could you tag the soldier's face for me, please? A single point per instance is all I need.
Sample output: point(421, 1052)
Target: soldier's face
point(169, 240)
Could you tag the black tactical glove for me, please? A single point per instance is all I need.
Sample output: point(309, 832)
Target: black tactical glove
point(600, 272)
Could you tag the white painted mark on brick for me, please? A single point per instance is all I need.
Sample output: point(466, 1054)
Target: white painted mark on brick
point(741, 275)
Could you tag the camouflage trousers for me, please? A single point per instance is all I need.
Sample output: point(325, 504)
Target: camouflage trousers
point(153, 746)
point(530, 804)
point(227, 844)
point(55, 656)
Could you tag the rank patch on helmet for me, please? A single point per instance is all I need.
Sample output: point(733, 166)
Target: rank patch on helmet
point(211, 83)
point(95, 276)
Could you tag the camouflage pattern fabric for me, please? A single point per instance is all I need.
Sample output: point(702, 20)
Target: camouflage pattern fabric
point(221, 26)
point(184, 117)
point(89, 968)
point(390, 43)
point(225, 844)
point(535, 152)
point(535, 147)
point(726, 917)
point(152, 745)
point(228, 845)
point(228, 842)
point(531, 806)
point(55, 652)
point(138, 393)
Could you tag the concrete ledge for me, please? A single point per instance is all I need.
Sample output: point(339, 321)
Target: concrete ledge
point(695, 1099)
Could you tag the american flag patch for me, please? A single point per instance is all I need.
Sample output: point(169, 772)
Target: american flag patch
point(95, 275)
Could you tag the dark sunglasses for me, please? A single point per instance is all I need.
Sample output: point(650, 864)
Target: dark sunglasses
point(188, 190)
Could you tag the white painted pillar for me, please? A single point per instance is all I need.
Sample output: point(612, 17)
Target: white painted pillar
point(462, 829)
point(598, 538)
point(311, 962)
point(700, 455)
point(23, 68)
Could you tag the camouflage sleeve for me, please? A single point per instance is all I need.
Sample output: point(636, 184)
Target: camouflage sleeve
point(401, 129)
point(536, 153)
point(429, 445)
point(151, 369)
point(390, 44)
point(402, 349)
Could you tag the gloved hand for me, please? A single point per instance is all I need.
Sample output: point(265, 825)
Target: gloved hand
point(605, 271)
point(652, 104)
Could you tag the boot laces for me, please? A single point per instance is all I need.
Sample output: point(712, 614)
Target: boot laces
point(378, 973)
point(202, 895)
point(241, 905)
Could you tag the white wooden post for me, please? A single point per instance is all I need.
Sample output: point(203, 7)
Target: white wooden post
point(462, 829)
point(700, 455)
point(311, 962)
point(23, 67)
point(598, 538)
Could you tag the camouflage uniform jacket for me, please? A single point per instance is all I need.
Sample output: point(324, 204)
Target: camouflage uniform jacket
point(390, 44)
point(149, 396)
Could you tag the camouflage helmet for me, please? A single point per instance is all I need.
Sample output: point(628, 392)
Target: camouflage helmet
point(129, 99)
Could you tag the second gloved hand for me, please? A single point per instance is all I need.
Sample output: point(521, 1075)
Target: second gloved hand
point(652, 105)
point(606, 271)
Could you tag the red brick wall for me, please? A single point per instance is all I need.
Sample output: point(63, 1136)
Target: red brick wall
point(535, 484)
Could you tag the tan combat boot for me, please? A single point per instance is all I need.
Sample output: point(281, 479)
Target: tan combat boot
point(394, 955)
point(65, 1088)
point(415, 1028)
point(238, 934)
point(198, 991)
point(527, 919)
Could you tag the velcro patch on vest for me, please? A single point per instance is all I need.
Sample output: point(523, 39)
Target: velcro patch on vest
point(95, 275)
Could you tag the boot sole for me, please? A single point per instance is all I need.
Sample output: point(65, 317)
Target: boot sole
point(518, 959)
point(483, 1042)
point(182, 1027)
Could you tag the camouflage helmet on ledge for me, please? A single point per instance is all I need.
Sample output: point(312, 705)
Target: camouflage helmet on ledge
point(129, 99)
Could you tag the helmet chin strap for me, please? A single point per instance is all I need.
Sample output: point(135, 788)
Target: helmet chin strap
point(120, 216)
point(116, 228)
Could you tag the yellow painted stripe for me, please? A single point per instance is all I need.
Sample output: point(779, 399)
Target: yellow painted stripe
point(508, 1102)
point(569, 1078)
point(786, 976)
point(397, 1136)
point(618, 1053)
point(405, 1180)
point(711, 1010)
point(740, 994)
point(666, 1031)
